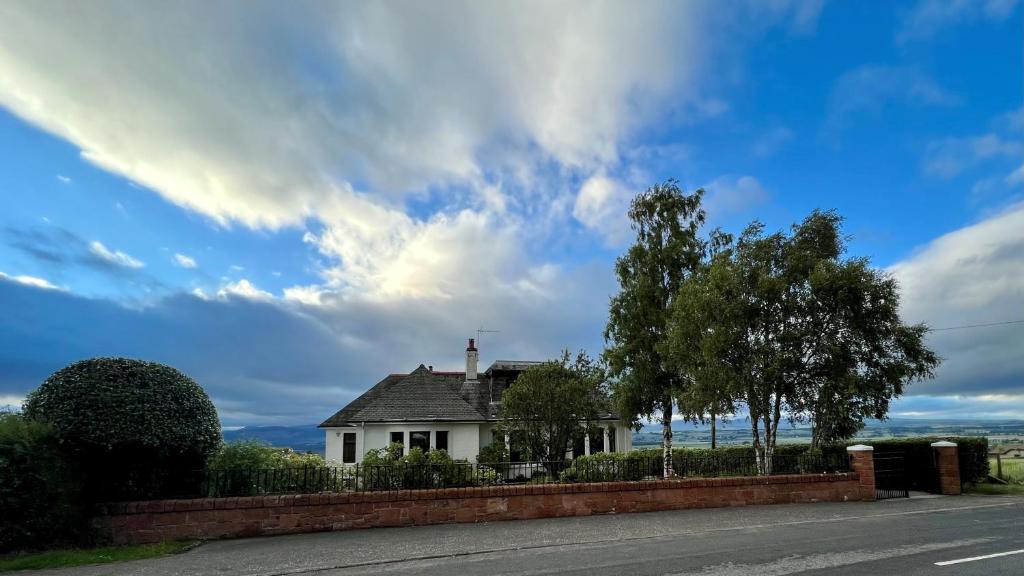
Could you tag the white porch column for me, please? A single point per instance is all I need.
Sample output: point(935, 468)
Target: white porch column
point(606, 444)
point(586, 444)
point(508, 449)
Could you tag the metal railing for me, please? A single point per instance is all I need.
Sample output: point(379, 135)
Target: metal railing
point(213, 483)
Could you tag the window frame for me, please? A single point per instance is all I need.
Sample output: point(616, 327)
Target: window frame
point(419, 433)
point(345, 447)
point(437, 440)
point(401, 440)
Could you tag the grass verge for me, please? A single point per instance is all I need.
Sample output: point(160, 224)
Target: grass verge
point(83, 556)
point(1016, 489)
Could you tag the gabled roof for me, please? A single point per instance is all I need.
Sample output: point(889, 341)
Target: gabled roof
point(422, 395)
point(425, 395)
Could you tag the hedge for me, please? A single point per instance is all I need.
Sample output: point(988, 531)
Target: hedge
point(734, 460)
point(40, 504)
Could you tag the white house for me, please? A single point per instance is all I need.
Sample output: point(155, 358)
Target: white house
point(429, 409)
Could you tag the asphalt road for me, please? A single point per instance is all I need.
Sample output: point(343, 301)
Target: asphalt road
point(905, 537)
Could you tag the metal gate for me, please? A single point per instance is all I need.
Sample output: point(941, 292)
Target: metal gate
point(891, 475)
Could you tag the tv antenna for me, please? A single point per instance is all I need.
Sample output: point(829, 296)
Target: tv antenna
point(480, 333)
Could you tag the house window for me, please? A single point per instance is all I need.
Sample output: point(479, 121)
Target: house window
point(441, 440)
point(348, 448)
point(398, 438)
point(419, 440)
point(611, 439)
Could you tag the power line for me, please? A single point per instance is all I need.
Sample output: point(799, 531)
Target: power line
point(976, 325)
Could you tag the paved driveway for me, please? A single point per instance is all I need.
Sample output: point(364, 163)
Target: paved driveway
point(905, 537)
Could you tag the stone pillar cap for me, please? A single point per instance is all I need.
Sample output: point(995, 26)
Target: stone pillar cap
point(943, 444)
point(859, 448)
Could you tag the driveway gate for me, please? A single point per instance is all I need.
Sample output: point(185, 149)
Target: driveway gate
point(891, 475)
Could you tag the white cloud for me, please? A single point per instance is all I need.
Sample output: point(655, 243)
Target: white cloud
point(184, 261)
point(869, 89)
point(1016, 177)
point(308, 295)
point(29, 281)
point(115, 257)
point(489, 107)
point(928, 17)
point(11, 401)
point(243, 288)
point(730, 195)
point(64, 179)
point(770, 142)
point(951, 156)
point(601, 205)
point(974, 275)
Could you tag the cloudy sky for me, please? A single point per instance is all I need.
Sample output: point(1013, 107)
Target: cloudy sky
point(289, 200)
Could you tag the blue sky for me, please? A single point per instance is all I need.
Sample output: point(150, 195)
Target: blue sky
point(288, 204)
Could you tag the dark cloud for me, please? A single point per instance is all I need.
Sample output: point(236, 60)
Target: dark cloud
point(255, 359)
point(266, 361)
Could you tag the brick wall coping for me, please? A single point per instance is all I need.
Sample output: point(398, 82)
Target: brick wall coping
point(233, 503)
point(860, 448)
point(943, 444)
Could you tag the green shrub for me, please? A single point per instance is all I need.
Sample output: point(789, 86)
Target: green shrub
point(250, 467)
point(40, 504)
point(244, 454)
point(134, 429)
point(493, 453)
point(388, 469)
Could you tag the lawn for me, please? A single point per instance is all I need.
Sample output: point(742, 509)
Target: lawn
point(1013, 469)
point(1014, 489)
point(82, 556)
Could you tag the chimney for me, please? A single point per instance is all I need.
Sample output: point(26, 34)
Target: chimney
point(471, 358)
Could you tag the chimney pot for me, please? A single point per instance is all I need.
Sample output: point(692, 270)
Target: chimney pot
point(471, 360)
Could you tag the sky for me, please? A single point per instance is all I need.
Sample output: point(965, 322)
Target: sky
point(288, 201)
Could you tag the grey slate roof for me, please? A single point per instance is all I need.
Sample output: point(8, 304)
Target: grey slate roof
point(424, 395)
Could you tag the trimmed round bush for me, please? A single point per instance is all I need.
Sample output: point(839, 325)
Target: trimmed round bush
point(130, 425)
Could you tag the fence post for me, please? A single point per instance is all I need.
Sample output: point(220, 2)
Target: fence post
point(947, 459)
point(999, 466)
point(862, 461)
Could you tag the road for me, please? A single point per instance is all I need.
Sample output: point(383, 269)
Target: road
point(906, 537)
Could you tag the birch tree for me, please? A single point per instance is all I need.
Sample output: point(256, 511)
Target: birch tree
point(667, 249)
point(797, 332)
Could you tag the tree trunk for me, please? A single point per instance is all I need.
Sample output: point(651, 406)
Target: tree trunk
point(713, 430)
point(666, 439)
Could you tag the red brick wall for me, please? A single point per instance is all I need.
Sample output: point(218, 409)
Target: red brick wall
point(138, 522)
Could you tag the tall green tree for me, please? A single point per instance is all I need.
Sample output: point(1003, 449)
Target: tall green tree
point(552, 402)
point(666, 251)
point(794, 330)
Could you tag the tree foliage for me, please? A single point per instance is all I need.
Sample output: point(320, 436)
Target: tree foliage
point(550, 403)
point(116, 417)
point(667, 250)
point(786, 325)
point(39, 494)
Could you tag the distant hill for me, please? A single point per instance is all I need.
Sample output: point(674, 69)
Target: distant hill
point(737, 431)
point(307, 438)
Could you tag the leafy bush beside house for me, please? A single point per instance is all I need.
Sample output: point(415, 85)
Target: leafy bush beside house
point(130, 426)
point(389, 469)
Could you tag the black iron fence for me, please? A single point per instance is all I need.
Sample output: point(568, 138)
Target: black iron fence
point(212, 483)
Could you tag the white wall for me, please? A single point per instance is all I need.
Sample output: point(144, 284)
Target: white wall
point(463, 439)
